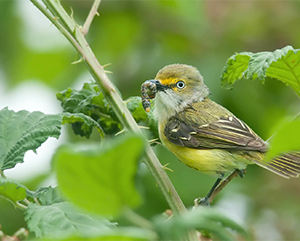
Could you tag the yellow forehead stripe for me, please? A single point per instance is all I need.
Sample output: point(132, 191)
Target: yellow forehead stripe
point(168, 81)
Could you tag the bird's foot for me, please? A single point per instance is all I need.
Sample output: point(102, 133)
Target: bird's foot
point(204, 201)
point(242, 172)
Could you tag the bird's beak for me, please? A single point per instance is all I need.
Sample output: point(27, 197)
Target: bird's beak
point(159, 86)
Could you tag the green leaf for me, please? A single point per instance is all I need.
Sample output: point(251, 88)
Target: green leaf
point(48, 196)
point(282, 64)
point(202, 219)
point(134, 105)
point(234, 69)
point(61, 220)
point(152, 123)
point(285, 140)
point(82, 124)
point(90, 102)
point(287, 68)
point(215, 216)
point(23, 131)
point(11, 190)
point(101, 180)
point(260, 62)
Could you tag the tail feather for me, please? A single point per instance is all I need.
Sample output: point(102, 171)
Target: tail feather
point(286, 165)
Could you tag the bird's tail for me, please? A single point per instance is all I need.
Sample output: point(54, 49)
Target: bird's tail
point(286, 165)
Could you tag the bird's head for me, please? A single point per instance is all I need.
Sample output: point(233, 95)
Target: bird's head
point(178, 85)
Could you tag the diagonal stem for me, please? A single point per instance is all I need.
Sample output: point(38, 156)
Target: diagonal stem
point(72, 32)
point(93, 12)
point(70, 29)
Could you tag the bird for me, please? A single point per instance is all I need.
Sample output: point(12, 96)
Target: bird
point(203, 134)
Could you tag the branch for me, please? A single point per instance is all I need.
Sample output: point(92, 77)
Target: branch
point(223, 184)
point(69, 28)
point(80, 44)
point(93, 12)
point(58, 25)
point(20, 206)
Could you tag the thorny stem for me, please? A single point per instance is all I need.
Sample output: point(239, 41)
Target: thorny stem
point(78, 41)
point(90, 17)
point(69, 28)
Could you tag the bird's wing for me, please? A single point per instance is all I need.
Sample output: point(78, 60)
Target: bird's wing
point(224, 133)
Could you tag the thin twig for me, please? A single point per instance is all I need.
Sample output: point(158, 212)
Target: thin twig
point(77, 61)
point(137, 219)
point(93, 12)
point(26, 201)
point(295, 117)
point(223, 184)
point(20, 206)
point(37, 201)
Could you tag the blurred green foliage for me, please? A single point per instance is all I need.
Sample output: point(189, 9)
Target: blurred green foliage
point(100, 180)
point(139, 38)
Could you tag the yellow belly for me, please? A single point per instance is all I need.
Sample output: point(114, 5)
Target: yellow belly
point(209, 161)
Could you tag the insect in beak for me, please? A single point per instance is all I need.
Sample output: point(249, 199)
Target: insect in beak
point(149, 89)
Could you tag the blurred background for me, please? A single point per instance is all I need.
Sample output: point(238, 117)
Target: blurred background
point(138, 38)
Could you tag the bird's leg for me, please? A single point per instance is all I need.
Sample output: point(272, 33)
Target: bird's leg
point(218, 186)
point(205, 201)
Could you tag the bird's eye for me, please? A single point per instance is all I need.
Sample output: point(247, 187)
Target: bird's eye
point(180, 84)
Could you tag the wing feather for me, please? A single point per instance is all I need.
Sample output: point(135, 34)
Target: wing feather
point(223, 133)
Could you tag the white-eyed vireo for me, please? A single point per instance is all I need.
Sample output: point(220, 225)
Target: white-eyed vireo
point(203, 134)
